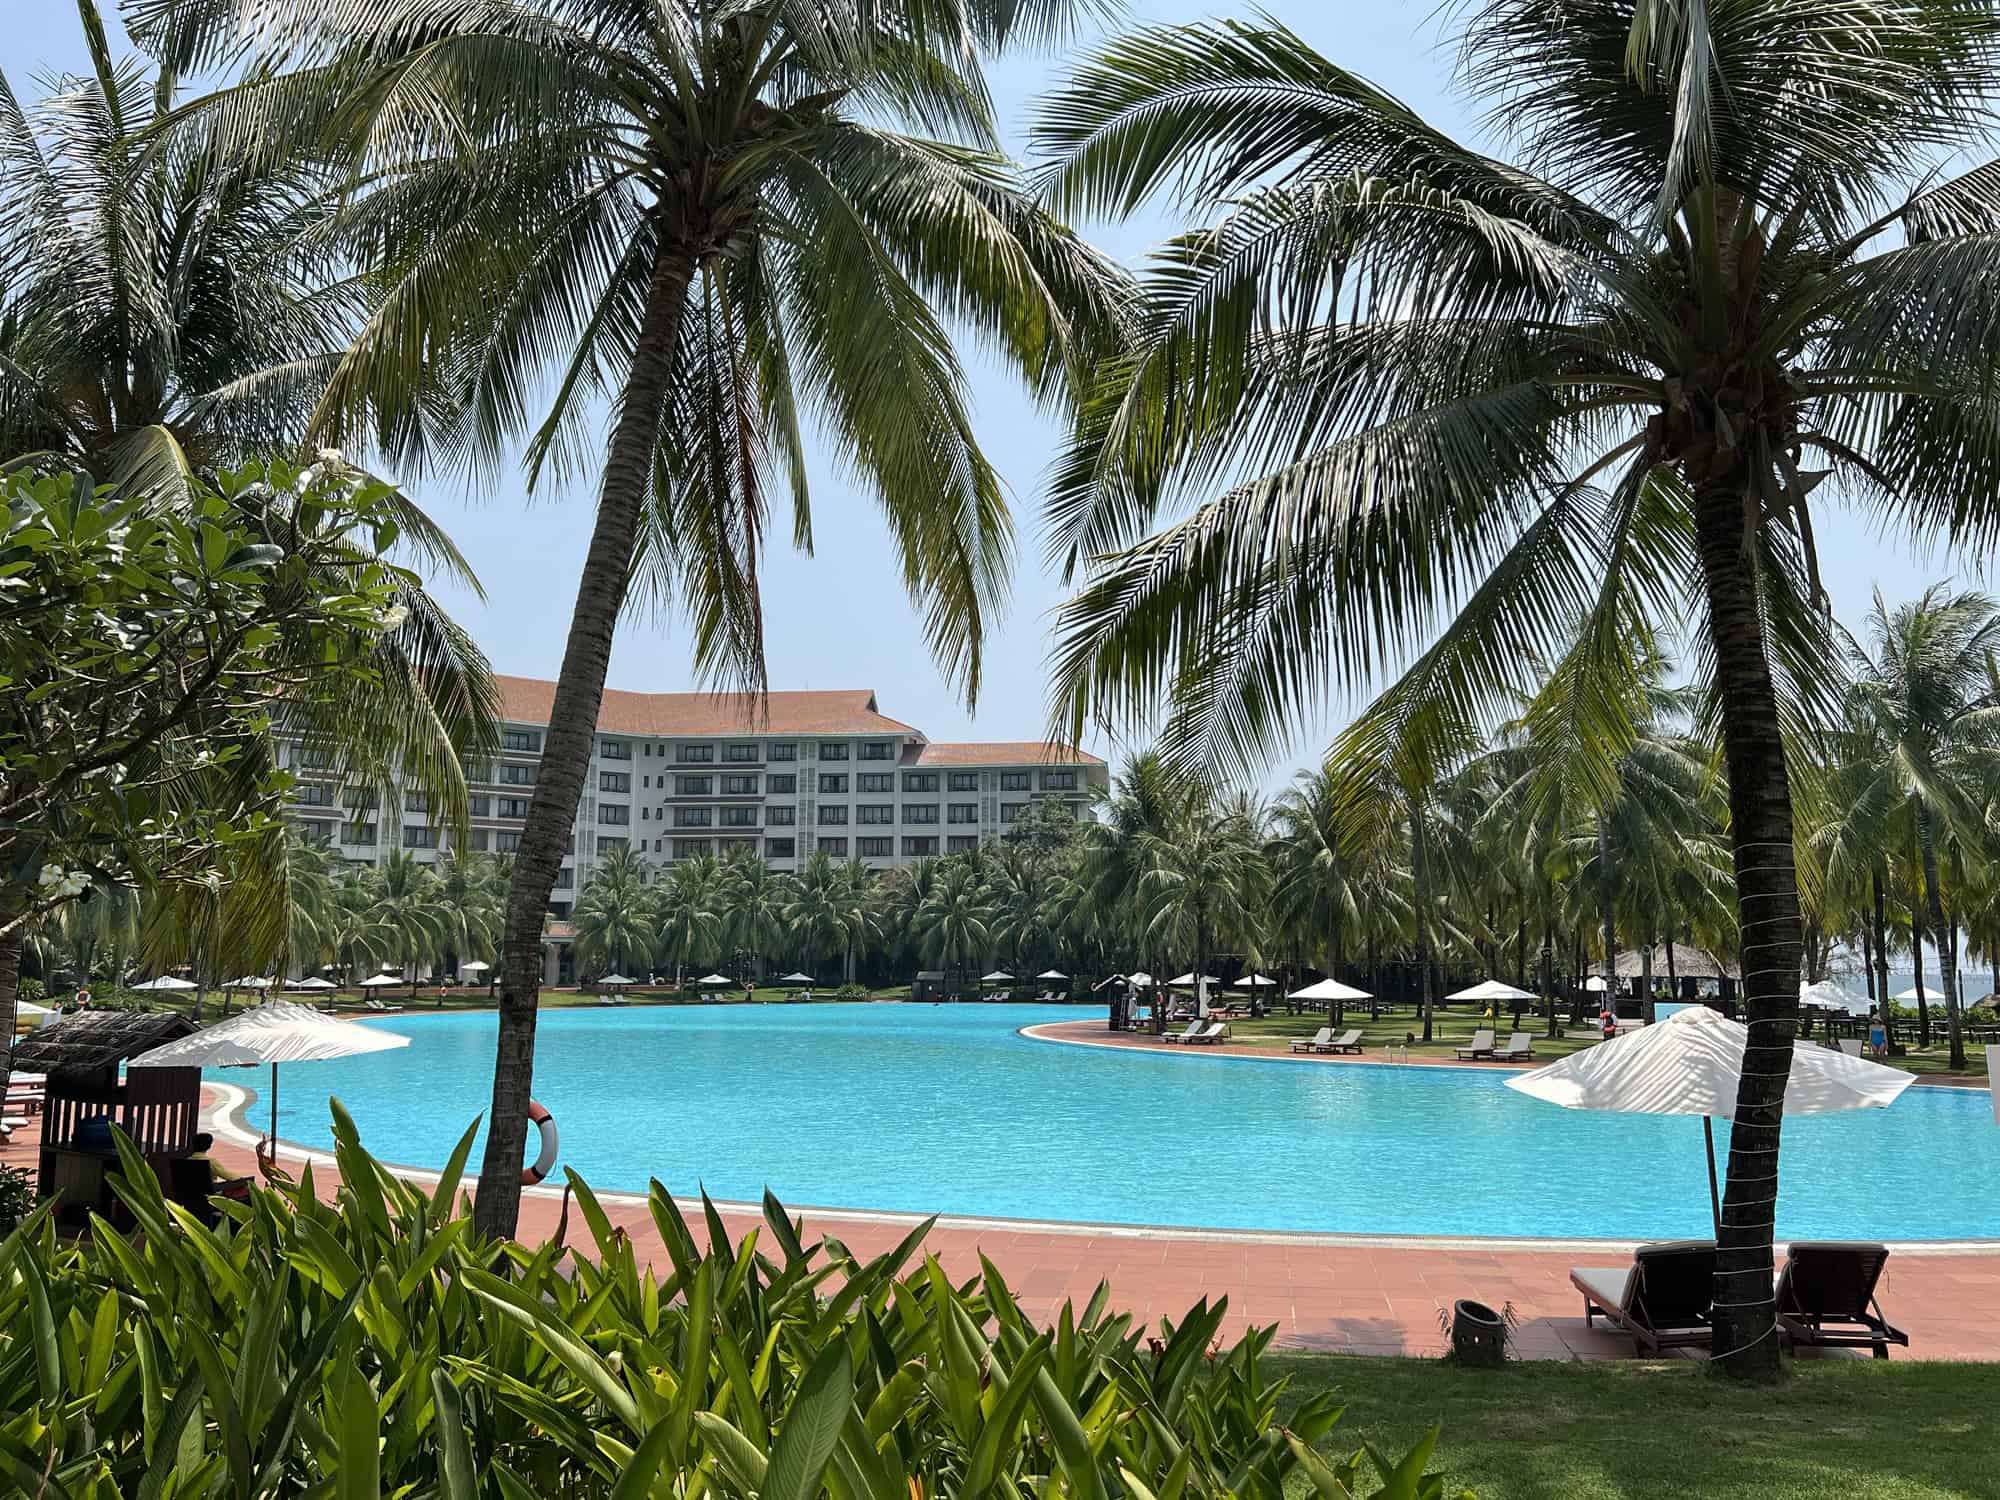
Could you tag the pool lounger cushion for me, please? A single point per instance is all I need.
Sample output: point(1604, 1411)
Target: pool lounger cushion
point(1661, 1299)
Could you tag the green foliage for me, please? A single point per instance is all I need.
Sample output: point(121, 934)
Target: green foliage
point(31, 990)
point(379, 1346)
point(851, 992)
point(17, 1197)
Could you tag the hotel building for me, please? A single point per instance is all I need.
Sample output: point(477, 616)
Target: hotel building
point(675, 775)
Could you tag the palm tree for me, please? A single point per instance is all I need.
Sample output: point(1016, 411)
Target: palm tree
point(687, 914)
point(614, 915)
point(953, 924)
point(469, 895)
point(753, 913)
point(1492, 408)
point(1927, 693)
point(407, 912)
point(1204, 879)
point(700, 210)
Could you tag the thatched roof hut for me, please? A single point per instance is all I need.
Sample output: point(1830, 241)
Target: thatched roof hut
point(1690, 962)
point(92, 1040)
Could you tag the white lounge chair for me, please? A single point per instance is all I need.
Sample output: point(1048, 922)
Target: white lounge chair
point(1520, 1046)
point(1321, 1038)
point(1348, 1041)
point(1482, 1046)
point(1193, 1031)
point(1216, 1032)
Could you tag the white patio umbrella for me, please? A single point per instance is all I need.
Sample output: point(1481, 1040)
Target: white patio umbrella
point(613, 981)
point(998, 976)
point(1256, 982)
point(1328, 989)
point(796, 978)
point(1187, 981)
point(1494, 990)
point(278, 1031)
point(164, 982)
point(376, 981)
point(1052, 974)
point(311, 982)
point(1690, 1064)
point(1828, 994)
point(705, 979)
point(475, 966)
point(1921, 992)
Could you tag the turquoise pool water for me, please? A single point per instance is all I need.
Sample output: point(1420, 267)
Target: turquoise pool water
point(947, 1109)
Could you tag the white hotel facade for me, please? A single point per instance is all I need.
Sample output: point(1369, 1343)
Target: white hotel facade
point(676, 775)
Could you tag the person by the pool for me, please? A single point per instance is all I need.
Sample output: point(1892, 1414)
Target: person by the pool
point(1878, 1034)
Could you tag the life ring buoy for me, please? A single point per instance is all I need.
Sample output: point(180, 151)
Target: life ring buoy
point(545, 1163)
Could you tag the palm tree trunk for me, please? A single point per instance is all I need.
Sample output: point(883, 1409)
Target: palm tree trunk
point(1646, 980)
point(1607, 914)
point(1881, 945)
point(1767, 900)
point(1673, 974)
point(1549, 973)
point(10, 996)
point(572, 731)
point(1947, 937)
point(1374, 978)
point(1917, 974)
point(1420, 891)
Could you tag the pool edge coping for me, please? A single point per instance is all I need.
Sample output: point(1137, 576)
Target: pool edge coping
point(226, 1119)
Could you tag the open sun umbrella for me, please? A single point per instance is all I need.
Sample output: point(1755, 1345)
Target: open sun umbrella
point(796, 978)
point(998, 976)
point(612, 981)
point(278, 1031)
point(1828, 994)
point(1052, 974)
point(164, 982)
point(1493, 989)
point(1255, 982)
point(475, 966)
point(1921, 992)
point(312, 982)
point(1690, 1064)
point(251, 983)
point(1187, 981)
point(1328, 989)
point(723, 979)
point(377, 981)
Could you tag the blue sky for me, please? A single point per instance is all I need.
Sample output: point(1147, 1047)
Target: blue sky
point(839, 618)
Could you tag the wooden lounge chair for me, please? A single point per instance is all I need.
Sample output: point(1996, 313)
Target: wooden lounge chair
point(1193, 1031)
point(1661, 1300)
point(1215, 1033)
point(1482, 1045)
point(1519, 1046)
point(1826, 1297)
point(1347, 1041)
point(1320, 1040)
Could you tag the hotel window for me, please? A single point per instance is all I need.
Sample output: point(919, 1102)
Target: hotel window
point(964, 781)
point(877, 848)
point(481, 807)
point(476, 840)
point(739, 817)
point(832, 750)
point(875, 781)
point(616, 814)
point(1009, 811)
point(419, 838)
point(728, 847)
point(314, 758)
point(314, 794)
point(878, 750)
point(357, 796)
point(689, 848)
point(921, 846)
point(1013, 781)
point(694, 817)
point(319, 834)
point(832, 815)
point(657, 845)
point(645, 815)
point(1058, 781)
point(833, 848)
point(920, 781)
point(614, 781)
point(739, 786)
point(519, 775)
point(964, 812)
point(780, 848)
point(694, 755)
point(520, 739)
point(647, 750)
point(781, 752)
point(832, 784)
point(781, 786)
point(565, 879)
point(510, 807)
point(920, 812)
point(961, 843)
point(478, 770)
point(606, 842)
point(359, 833)
point(694, 786)
point(740, 754)
point(780, 816)
point(506, 840)
point(646, 782)
point(876, 813)
point(615, 749)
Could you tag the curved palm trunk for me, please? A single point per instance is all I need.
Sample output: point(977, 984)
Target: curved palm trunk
point(1549, 974)
point(1767, 898)
point(10, 997)
point(1947, 938)
point(1646, 980)
point(600, 597)
point(1607, 915)
point(1420, 890)
point(1917, 973)
point(1673, 974)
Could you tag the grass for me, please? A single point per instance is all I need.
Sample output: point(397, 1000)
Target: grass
point(1626, 1430)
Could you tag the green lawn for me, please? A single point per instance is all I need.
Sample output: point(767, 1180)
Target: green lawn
point(1846, 1429)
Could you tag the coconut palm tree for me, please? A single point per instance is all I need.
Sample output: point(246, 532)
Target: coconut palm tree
point(953, 925)
point(687, 914)
point(1927, 691)
point(407, 911)
point(470, 891)
point(1489, 408)
point(1203, 882)
point(754, 900)
point(615, 915)
point(703, 212)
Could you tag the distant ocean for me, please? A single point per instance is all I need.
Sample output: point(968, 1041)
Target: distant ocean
point(1974, 981)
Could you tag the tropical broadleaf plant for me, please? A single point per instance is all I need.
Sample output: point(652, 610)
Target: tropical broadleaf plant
point(378, 1345)
point(1400, 409)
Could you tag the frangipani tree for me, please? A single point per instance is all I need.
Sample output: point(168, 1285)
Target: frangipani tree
point(1451, 413)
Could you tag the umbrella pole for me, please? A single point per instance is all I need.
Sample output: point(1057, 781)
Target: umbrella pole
point(1714, 1198)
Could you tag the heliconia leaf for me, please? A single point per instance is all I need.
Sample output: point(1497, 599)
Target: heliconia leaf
point(811, 1427)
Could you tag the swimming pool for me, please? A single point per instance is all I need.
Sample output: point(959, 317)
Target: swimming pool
point(947, 1109)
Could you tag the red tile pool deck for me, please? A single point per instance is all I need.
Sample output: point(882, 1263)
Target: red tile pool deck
point(1348, 1294)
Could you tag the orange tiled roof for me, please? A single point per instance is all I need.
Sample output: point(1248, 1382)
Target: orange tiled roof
point(527, 700)
point(1005, 753)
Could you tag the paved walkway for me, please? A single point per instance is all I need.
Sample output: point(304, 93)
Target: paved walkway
point(1322, 1292)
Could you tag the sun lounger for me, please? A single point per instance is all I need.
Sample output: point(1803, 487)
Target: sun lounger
point(1194, 1029)
point(1826, 1297)
point(1661, 1300)
point(1482, 1045)
point(1214, 1033)
point(1519, 1046)
point(1319, 1041)
point(1347, 1041)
